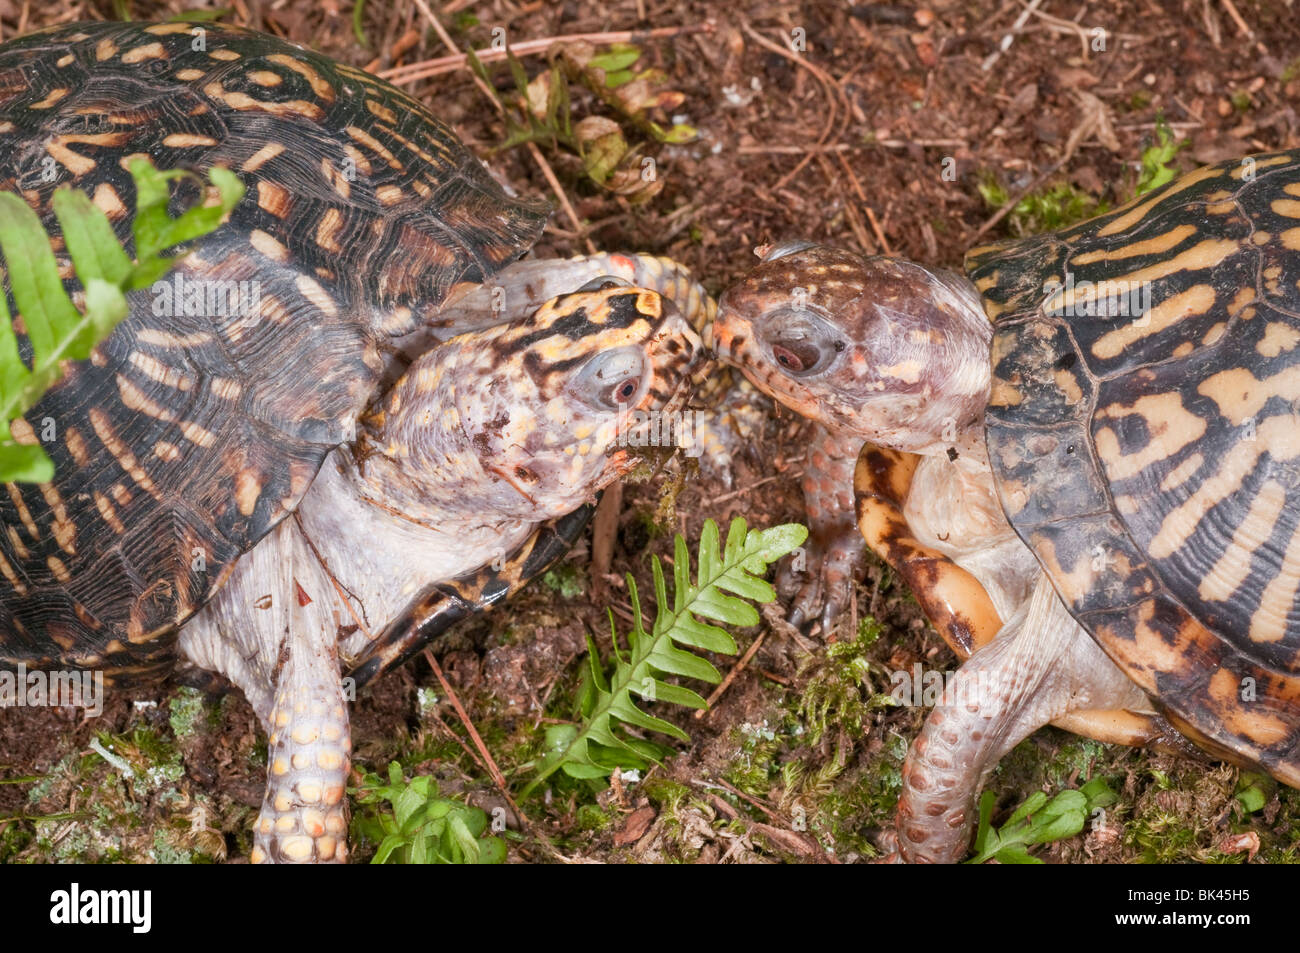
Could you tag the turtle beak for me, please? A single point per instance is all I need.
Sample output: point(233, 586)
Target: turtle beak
point(680, 360)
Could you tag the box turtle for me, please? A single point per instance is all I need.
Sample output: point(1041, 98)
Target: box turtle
point(389, 425)
point(1095, 434)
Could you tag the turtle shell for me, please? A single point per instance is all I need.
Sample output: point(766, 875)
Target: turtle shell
point(201, 421)
point(1144, 431)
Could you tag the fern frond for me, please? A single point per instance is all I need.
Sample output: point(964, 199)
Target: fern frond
point(728, 581)
point(55, 329)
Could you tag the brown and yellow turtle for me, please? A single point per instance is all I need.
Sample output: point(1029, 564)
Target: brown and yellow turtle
point(346, 419)
point(1085, 460)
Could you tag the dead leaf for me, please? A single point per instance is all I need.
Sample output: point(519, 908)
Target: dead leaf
point(637, 823)
point(1094, 120)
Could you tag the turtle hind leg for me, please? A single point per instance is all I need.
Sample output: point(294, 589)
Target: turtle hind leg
point(1038, 668)
point(304, 813)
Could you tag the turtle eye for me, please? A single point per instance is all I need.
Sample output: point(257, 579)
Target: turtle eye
point(797, 357)
point(621, 394)
point(612, 380)
point(604, 282)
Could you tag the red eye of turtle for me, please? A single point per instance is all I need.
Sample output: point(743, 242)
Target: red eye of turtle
point(624, 391)
point(796, 357)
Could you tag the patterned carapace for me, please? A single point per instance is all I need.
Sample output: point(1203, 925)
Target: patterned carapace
point(1144, 429)
point(185, 439)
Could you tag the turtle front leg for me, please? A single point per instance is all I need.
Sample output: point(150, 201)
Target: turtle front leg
point(1039, 667)
point(833, 558)
point(304, 813)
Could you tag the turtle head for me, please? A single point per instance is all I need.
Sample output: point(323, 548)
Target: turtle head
point(872, 348)
point(531, 418)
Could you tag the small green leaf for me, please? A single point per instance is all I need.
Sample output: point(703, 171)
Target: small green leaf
point(616, 59)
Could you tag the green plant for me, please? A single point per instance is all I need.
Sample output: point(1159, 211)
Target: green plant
point(594, 746)
point(1037, 821)
point(545, 114)
point(420, 827)
point(1156, 170)
point(56, 330)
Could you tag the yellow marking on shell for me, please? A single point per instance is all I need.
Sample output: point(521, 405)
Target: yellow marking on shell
point(1261, 238)
point(264, 77)
point(1068, 385)
point(166, 29)
point(166, 451)
point(1195, 300)
point(1240, 395)
point(103, 427)
point(225, 55)
point(261, 157)
point(54, 96)
point(1214, 333)
point(1170, 426)
point(1233, 566)
point(1278, 337)
point(423, 190)
point(268, 246)
point(313, 292)
point(105, 50)
point(248, 490)
point(20, 549)
point(120, 493)
point(1245, 721)
point(1221, 208)
point(273, 198)
point(226, 388)
point(1137, 210)
point(335, 178)
point(156, 370)
point(186, 140)
point(1239, 171)
point(358, 158)
point(1268, 623)
point(327, 228)
point(1181, 473)
point(1278, 435)
point(282, 802)
point(1288, 208)
point(1156, 245)
point(65, 533)
point(380, 110)
point(13, 578)
point(1290, 239)
point(319, 85)
point(374, 145)
point(190, 75)
point(136, 399)
point(24, 514)
point(67, 60)
point(58, 568)
point(242, 102)
point(389, 195)
point(76, 445)
point(74, 162)
point(107, 201)
point(198, 435)
point(150, 51)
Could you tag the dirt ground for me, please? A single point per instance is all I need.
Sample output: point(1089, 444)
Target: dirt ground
point(899, 129)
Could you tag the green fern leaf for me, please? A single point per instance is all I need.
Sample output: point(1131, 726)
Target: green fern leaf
point(728, 580)
point(55, 328)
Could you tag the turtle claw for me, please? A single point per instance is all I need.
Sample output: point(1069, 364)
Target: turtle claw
point(821, 591)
